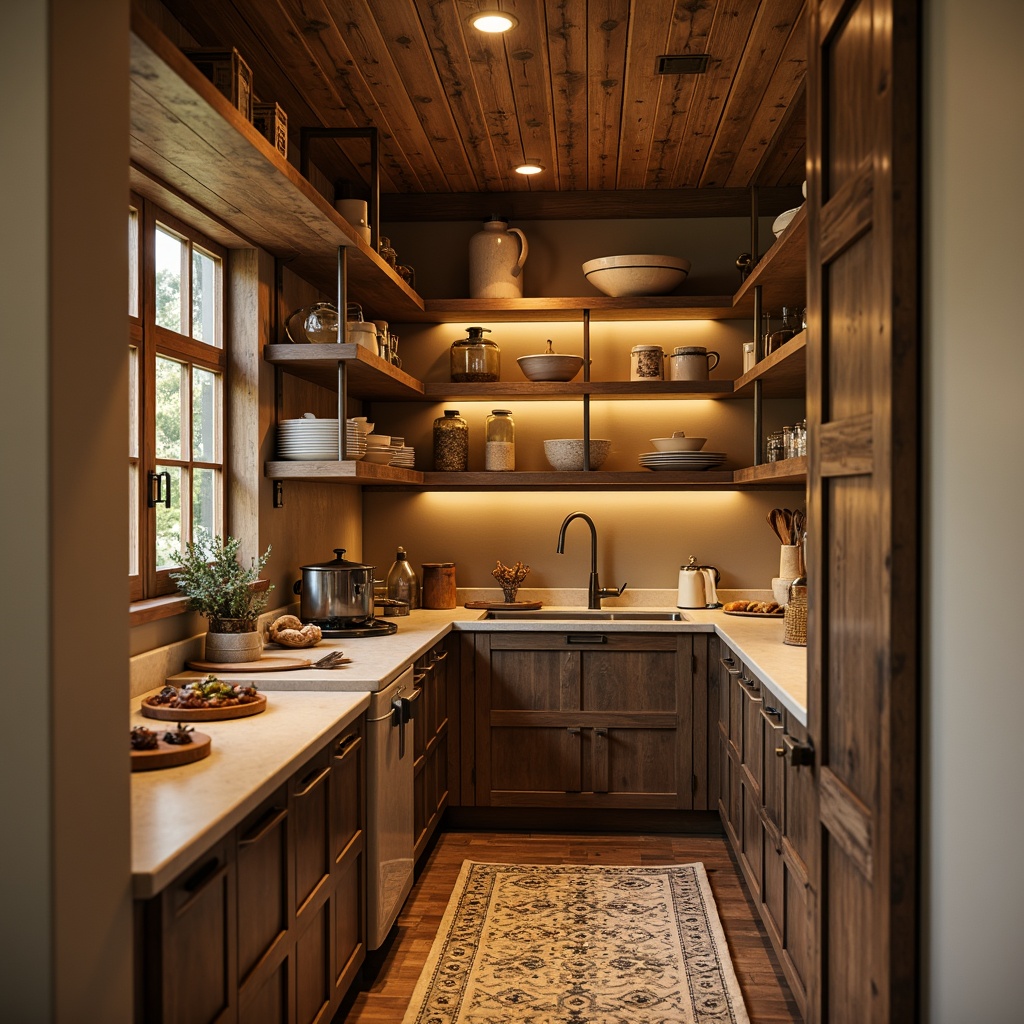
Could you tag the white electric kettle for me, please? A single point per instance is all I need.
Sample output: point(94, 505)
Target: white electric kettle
point(697, 585)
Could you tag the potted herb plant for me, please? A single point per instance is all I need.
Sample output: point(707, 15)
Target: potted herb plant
point(229, 595)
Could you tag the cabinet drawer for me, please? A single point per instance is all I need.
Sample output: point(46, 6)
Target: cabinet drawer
point(772, 727)
point(313, 976)
point(750, 726)
point(309, 805)
point(347, 789)
point(348, 911)
point(262, 873)
point(268, 1001)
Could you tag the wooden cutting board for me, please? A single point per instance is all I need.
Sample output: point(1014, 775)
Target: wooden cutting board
point(167, 714)
point(167, 755)
point(505, 606)
point(265, 664)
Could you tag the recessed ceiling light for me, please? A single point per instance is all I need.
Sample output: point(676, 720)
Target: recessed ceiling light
point(493, 21)
point(530, 167)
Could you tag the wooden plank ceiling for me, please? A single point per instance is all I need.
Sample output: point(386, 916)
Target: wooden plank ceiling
point(573, 86)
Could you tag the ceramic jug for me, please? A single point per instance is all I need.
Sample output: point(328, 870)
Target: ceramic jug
point(496, 257)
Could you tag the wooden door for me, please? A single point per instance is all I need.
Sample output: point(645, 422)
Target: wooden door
point(863, 100)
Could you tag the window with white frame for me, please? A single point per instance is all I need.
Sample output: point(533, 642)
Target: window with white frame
point(176, 361)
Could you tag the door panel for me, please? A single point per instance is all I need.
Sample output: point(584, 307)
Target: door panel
point(863, 499)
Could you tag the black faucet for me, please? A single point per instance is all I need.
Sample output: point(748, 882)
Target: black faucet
point(595, 591)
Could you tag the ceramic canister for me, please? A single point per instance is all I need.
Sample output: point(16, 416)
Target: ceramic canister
point(646, 362)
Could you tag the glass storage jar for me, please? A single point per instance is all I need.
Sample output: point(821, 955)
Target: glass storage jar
point(475, 358)
point(451, 443)
point(500, 435)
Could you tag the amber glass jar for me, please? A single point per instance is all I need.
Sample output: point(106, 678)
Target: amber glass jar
point(451, 443)
point(474, 358)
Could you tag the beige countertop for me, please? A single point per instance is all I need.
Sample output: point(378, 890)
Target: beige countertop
point(375, 661)
point(177, 813)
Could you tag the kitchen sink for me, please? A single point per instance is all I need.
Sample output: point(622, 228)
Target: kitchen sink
point(590, 614)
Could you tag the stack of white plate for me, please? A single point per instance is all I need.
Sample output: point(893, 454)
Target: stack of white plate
point(311, 440)
point(404, 457)
point(687, 461)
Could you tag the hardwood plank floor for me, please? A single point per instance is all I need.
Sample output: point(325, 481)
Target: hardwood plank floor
point(386, 996)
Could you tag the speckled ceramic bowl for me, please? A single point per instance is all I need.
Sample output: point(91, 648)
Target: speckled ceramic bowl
point(566, 454)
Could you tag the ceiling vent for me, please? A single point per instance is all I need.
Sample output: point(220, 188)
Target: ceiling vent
point(683, 64)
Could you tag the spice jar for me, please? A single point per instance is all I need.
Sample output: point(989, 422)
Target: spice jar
point(451, 443)
point(500, 435)
point(474, 358)
point(646, 362)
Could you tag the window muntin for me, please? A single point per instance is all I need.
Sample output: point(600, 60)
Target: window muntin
point(176, 470)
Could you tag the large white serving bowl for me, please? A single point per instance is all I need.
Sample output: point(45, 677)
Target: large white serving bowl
point(566, 453)
point(638, 274)
point(678, 444)
point(554, 366)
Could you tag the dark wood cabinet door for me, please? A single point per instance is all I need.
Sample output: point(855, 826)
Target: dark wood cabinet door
point(261, 870)
point(192, 970)
point(584, 720)
point(310, 808)
point(863, 505)
point(314, 980)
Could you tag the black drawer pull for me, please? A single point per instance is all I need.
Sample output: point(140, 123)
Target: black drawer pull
point(586, 638)
point(270, 820)
point(313, 779)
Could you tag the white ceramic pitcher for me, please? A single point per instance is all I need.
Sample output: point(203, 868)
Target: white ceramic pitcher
point(496, 257)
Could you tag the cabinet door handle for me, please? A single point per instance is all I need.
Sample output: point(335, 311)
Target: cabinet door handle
point(347, 746)
point(774, 712)
point(586, 638)
point(438, 657)
point(270, 820)
point(198, 883)
point(573, 730)
point(312, 780)
point(796, 754)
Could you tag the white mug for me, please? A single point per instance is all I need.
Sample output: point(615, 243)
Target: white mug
point(691, 363)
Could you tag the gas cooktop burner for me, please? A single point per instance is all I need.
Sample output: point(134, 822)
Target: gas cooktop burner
point(371, 627)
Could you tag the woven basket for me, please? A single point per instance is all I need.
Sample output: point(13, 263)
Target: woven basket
point(795, 621)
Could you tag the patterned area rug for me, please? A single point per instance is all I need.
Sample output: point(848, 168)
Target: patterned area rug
point(579, 944)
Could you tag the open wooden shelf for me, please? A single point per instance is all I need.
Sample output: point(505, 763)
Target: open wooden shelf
point(186, 134)
point(781, 272)
point(368, 375)
point(786, 472)
point(601, 307)
point(343, 472)
point(782, 374)
point(530, 390)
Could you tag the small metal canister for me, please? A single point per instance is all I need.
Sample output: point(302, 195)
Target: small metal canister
point(439, 585)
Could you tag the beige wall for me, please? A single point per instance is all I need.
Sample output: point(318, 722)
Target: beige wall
point(65, 869)
point(973, 828)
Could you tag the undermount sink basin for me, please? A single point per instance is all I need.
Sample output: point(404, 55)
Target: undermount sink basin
point(587, 614)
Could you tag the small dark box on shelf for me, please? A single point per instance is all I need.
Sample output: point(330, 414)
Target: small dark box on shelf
point(272, 123)
point(229, 72)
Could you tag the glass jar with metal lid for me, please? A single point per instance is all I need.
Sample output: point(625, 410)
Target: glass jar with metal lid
point(500, 436)
point(474, 358)
point(451, 443)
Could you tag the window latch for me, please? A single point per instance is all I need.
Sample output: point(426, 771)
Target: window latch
point(157, 494)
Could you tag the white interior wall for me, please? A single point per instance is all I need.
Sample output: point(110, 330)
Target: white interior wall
point(974, 491)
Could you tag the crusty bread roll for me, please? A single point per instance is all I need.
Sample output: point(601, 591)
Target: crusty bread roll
point(289, 631)
point(736, 606)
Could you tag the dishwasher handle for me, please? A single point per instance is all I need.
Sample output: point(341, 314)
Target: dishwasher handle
point(402, 711)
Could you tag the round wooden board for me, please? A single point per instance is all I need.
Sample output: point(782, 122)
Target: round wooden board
point(505, 606)
point(166, 714)
point(759, 615)
point(168, 755)
point(265, 664)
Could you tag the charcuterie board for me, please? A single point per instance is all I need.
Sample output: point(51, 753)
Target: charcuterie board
point(170, 714)
point(168, 755)
point(505, 606)
point(265, 664)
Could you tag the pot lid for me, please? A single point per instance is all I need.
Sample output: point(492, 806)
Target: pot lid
point(340, 562)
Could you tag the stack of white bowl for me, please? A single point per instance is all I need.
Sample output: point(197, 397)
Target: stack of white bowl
point(309, 439)
point(386, 450)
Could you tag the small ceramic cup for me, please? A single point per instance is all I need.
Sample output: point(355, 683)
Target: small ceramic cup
point(691, 362)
